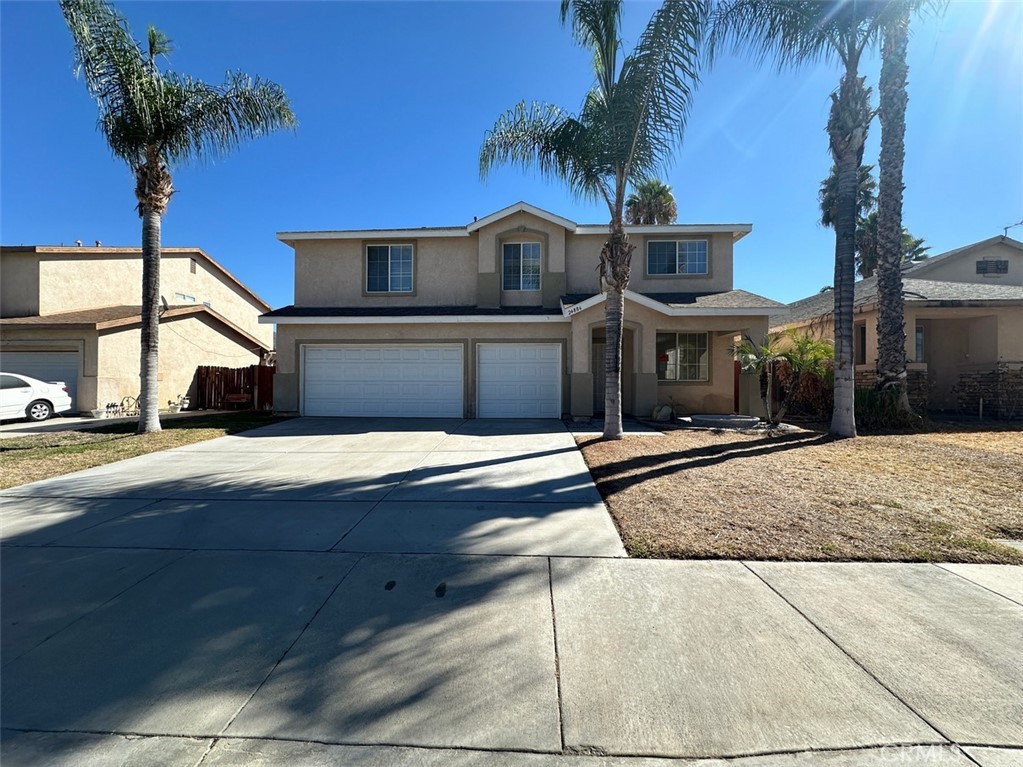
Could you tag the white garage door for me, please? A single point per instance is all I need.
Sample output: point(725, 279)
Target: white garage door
point(46, 366)
point(419, 381)
point(519, 380)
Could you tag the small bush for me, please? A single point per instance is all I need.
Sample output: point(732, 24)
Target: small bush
point(814, 397)
point(878, 411)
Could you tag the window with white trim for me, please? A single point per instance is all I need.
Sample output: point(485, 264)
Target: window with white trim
point(683, 357)
point(388, 268)
point(184, 298)
point(520, 266)
point(676, 257)
point(919, 343)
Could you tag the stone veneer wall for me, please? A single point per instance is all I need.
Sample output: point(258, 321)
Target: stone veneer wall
point(1001, 388)
point(916, 381)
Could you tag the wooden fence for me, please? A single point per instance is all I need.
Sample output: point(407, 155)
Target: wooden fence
point(218, 388)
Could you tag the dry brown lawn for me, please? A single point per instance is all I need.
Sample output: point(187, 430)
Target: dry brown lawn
point(940, 496)
point(40, 456)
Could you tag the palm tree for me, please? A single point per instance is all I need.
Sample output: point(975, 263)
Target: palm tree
point(806, 356)
point(630, 120)
point(761, 358)
point(799, 32)
point(152, 119)
point(866, 194)
point(867, 245)
point(891, 234)
point(651, 202)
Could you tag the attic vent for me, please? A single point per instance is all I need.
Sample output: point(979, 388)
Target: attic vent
point(191, 265)
point(992, 266)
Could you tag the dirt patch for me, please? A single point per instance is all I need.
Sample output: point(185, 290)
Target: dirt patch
point(802, 496)
point(41, 456)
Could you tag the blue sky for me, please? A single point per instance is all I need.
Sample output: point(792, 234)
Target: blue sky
point(393, 100)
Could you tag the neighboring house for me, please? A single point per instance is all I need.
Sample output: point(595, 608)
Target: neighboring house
point(73, 314)
point(964, 328)
point(504, 318)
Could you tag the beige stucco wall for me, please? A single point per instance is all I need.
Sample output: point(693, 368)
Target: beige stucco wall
point(956, 339)
point(19, 284)
point(583, 258)
point(69, 282)
point(963, 268)
point(185, 344)
point(713, 396)
point(333, 273)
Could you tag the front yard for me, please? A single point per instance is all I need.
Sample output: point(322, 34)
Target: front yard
point(940, 496)
point(40, 456)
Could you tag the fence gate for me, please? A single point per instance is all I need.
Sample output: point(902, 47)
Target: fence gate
point(220, 388)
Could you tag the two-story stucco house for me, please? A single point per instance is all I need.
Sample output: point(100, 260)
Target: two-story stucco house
point(503, 318)
point(74, 314)
point(964, 328)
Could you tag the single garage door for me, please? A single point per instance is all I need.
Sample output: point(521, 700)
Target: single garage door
point(519, 380)
point(419, 381)
point(46, 366)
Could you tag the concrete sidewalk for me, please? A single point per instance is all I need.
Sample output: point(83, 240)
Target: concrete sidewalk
point(453, 593)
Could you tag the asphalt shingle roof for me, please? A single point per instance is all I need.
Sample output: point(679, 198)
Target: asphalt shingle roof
point(914, 291)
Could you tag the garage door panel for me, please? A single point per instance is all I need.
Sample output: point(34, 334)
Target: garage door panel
point(415, 381)
point(519, 380)
point(46, 366)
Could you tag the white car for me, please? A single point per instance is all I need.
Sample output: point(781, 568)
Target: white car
point(24, 397)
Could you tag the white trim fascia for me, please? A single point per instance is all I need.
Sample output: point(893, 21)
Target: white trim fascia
point(522, 207)
point(453, 319)
point(372, 234)
point(675, 311)
point(738, 231)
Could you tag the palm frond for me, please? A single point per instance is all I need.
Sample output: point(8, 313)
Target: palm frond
point(656, 86)
point(795, 32)
point(206, 120)
point(595, 24)
point(545, 137)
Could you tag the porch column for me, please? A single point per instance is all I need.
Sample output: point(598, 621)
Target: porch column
point(581, 377)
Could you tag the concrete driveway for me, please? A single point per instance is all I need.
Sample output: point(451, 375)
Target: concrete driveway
point(345, 592)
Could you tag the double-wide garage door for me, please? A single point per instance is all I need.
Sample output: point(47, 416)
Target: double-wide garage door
point(423, 381)
point(426, 381)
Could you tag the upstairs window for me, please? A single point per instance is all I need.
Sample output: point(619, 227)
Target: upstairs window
point(184, 298)
point(676, 257)
point(389, 269)
point(521, 266)
point(992, 266)
point(682, 357)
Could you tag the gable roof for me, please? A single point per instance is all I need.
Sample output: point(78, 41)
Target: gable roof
point(734, 302)
point(113, 317)
point(932, 292)
point(925, 265)
point(522, 207)
point(738, 231)
point(54, 250)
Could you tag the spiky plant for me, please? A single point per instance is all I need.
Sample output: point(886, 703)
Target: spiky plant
point(152, 120)
point(630, 120)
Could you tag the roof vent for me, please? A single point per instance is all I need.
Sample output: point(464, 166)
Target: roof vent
point(98, 243)
point(78, 243)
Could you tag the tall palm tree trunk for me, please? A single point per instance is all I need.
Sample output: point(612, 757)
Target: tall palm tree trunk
point(153, 190)
point(847, 131)
point(149, 406)
point(891, 324)
point(615, 268)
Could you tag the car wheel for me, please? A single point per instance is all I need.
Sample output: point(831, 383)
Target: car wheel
point(39, 410)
